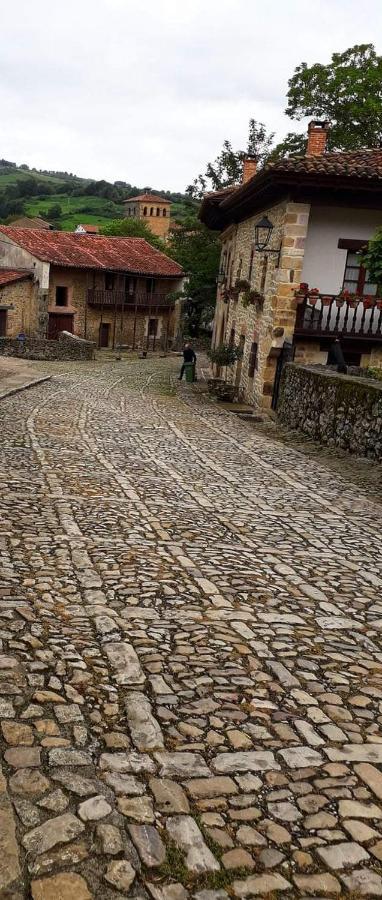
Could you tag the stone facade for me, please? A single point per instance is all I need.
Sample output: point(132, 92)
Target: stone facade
point(342, 411)
point(34, 309)
point(20, 316)
point(154, 211)
point(275, 276)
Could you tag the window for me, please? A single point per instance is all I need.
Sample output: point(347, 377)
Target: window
point(61, 296)
point(109, 281)
point(145, 210)
point(164, 212)
point(151, 211)
point(150, 285)
point(252, 360)
point(158, 211)
point(153, 327)
point(356, 276)
point(239, 268)
point(263, 278)
point(251, 263)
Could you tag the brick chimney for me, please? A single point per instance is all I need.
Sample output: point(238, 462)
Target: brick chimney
point(249, 168)
point(317, 135)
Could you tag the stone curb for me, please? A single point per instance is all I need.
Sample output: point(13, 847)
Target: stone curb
point(23, 387)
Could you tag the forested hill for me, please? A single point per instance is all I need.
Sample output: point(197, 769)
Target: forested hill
point(65, 200)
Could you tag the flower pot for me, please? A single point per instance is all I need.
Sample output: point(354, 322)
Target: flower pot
point(326, 301)
point(368, 304)
point(378, 303)
point(313, 301)
point(340, 302)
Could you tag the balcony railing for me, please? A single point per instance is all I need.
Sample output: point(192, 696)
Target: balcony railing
point(137, 300)
point(328, 315)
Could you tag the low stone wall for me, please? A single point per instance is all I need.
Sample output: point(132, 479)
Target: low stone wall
point(68, 347)
point(339, 410)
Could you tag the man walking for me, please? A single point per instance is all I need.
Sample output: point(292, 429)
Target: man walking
point(189, 356)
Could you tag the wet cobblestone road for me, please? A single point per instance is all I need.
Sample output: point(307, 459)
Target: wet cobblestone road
point(190, 651)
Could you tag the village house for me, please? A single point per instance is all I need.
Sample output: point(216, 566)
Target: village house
point(152, 209)
point(291, 278)
point(86, 229)
point(114, 291)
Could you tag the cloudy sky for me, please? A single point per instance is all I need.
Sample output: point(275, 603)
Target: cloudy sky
point(146, 90)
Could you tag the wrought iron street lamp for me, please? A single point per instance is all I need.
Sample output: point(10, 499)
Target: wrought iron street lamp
point(263, 233)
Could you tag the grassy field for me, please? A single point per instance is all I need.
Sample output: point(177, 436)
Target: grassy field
point(92, 209)
point(75, 210)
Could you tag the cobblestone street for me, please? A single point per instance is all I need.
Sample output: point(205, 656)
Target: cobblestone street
point(190, 654)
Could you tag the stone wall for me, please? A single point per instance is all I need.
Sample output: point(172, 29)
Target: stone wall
point(339, 410)
point(67, 347)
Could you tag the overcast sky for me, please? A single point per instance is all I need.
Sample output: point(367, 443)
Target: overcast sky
point(145, 91)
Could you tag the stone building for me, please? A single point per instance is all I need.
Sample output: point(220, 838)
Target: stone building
point(114, 291)
point(301, 221)
point(153, 210)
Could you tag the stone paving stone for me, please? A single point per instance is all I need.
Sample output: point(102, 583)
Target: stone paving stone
point(61, 887)
point(177, 690)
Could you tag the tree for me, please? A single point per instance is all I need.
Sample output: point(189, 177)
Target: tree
point(292, 145)
point(372, 259)
point(347, 92)
point(227, 168)
point(197, 250)
point(54, 211)
point(132, 228)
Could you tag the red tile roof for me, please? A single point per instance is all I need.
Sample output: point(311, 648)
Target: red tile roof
point(9, 275)
point(83, 251)
point(352, 164)
point(148, 198)
point(348, 171)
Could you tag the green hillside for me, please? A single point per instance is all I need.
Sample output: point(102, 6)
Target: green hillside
point(66, 200)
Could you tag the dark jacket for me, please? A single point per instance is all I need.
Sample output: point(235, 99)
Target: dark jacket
point(189, 355)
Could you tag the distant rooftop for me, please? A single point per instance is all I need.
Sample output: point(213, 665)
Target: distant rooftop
point(148, 198)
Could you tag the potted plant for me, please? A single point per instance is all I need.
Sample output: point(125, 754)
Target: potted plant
point(301, 292)
point(224, 356)
point(353, 301)
point(326, 300)
point(343, 297)
point(313, 296)
point(378, 302)
point(368, 301)
point(250, 298)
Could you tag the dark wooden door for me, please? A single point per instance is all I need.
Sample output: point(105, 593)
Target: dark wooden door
point(104, 334)
point(62, 322)
point(3, 322)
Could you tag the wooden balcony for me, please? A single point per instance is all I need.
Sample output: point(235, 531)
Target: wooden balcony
point(326, 316)
point(118, 299)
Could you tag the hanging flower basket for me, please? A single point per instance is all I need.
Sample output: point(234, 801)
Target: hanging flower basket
point(242, 285)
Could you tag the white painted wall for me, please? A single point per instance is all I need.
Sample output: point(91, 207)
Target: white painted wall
point(324, 263)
